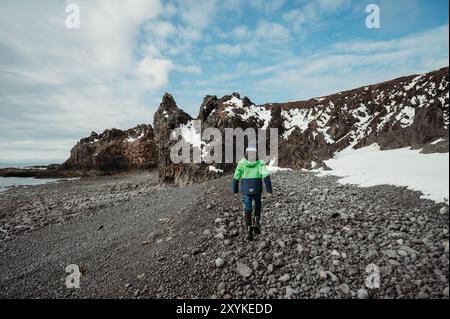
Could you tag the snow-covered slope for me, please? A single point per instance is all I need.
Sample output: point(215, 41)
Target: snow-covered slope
point(369, 166)
point(409, 111)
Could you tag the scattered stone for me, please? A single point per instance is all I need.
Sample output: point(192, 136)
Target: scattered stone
point(221, 287)
point(325, 290)
point(345, 289)
point(243, 270)
point(284, 278)
point(363, 294)
point(219, 262)
point(445, 292)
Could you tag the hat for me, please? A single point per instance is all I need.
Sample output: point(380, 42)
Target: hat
point(251, 148)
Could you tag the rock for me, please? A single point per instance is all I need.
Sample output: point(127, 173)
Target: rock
point(221, 287)
point(390, 253)
point(323, 275)
point(445, 292)
point(272, 292)
point(219, 262)
point(335, 253)
point(444, 210)
point(398, 235)
point(290, 292)
point(115, 150)
point(394, 262)
point(152, 238)
point(325, 290)
point(409, 250)
point(284, 278)
point(207, 232)
point(220, 236)
point(402, 253)
point(243, 270)
point(333, 277)
point(363, 294)
point(268, 257)
point(422, 295)
point(209, 206)
point(345, 289)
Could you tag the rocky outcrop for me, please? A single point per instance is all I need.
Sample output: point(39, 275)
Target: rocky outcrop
point(409, 111)
point(167, 118)
point(115, 150)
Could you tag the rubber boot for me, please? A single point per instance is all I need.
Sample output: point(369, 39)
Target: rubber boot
point(250, 233)
point(256, 221)
point(248, 223)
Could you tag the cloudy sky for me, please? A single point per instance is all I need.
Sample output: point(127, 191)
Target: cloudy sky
point(59, 84)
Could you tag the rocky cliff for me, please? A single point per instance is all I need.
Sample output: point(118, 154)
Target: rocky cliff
point(409, 111)
point(115, 150)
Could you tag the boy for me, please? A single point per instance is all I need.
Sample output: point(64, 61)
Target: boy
point(251, 172)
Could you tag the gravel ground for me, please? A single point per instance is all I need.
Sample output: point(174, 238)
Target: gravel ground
point(133, 238)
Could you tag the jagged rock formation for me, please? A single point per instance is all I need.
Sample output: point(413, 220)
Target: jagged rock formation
point(409, 111)
point(167, 118)
point(115, 150)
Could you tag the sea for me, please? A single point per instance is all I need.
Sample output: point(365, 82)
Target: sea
point(8, 182)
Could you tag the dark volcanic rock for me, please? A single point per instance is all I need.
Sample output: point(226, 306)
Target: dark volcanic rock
point(115, 150)
point(409, 111)
point(166, 119)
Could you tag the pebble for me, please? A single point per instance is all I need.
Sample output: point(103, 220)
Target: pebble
point(243, 270)
point(363, 294)
point(219, 262)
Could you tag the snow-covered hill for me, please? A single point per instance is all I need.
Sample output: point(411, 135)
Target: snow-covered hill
point(411, 111)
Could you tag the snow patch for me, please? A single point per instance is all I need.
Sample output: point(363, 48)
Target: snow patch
point(437, 141)
point(134, 139)
point(369, 166)
point(234, 101)
point(214, 169)
point(272, 168)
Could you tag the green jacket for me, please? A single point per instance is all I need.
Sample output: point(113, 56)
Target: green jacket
point(251, 175)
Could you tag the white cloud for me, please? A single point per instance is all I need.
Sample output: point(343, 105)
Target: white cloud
point(192, 69)
point(298, 18)
point(333, 5)
point(357, 63)
point(154, 72)
point(266, 38)
point(268, 6)
point(65, 83)
point(197, 13)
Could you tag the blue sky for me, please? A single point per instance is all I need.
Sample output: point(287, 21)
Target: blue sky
point(57, 85)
